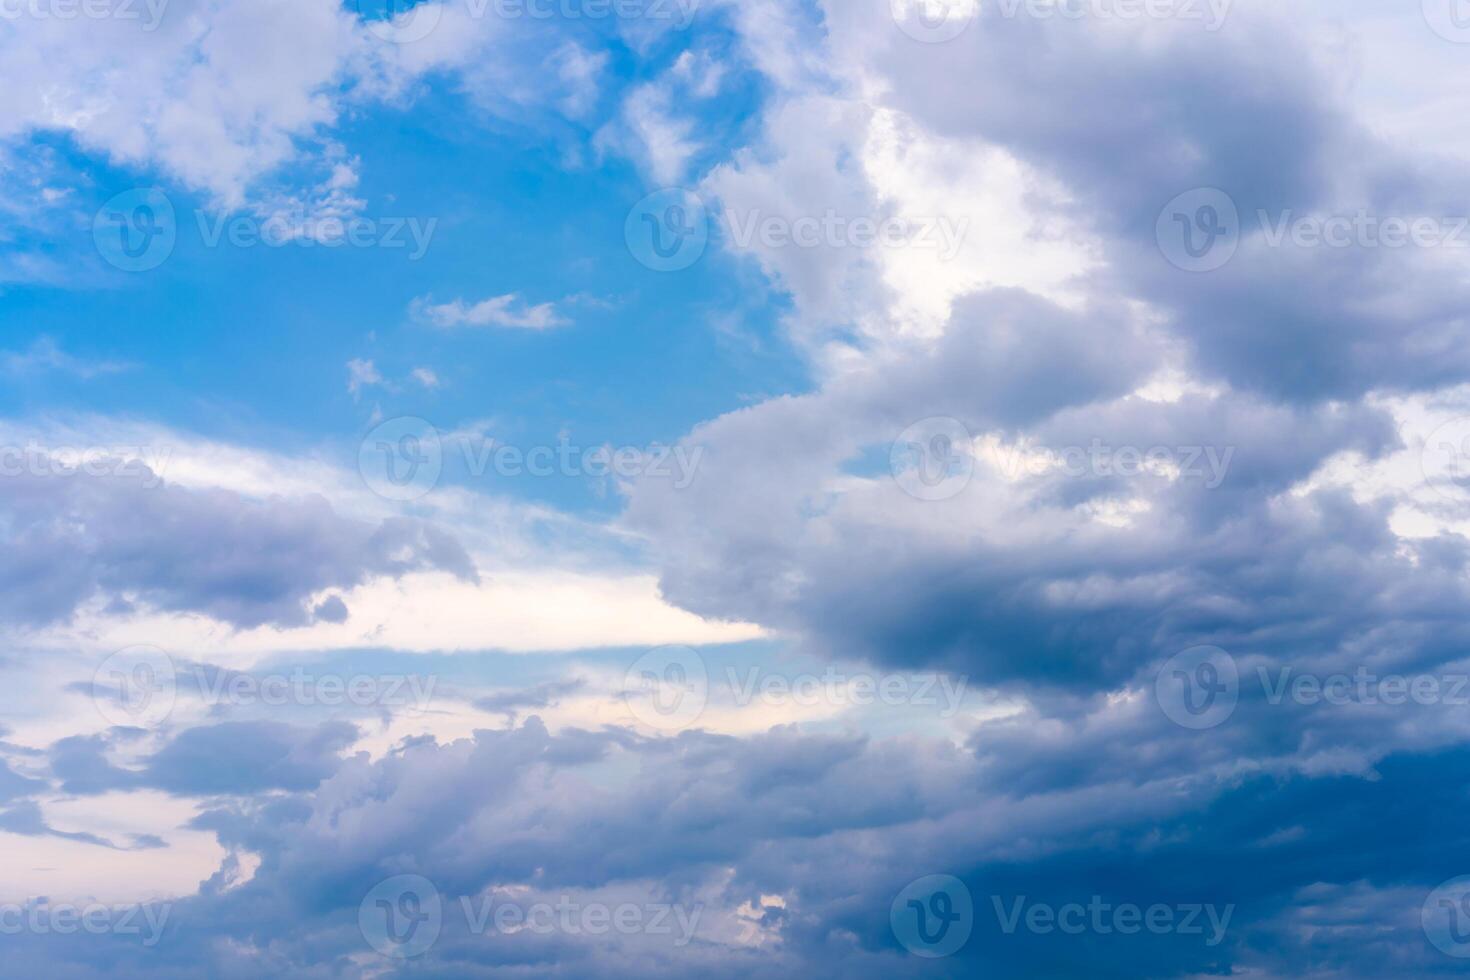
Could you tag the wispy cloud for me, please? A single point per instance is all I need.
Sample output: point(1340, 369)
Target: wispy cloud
point(498, 311)
point(44, 355)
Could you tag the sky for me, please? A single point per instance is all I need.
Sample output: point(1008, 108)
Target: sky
point(739, 488)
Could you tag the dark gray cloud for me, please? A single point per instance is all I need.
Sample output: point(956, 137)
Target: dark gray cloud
point(75, 537)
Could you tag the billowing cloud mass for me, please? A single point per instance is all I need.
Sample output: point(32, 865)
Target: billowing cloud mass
point(1073, 546)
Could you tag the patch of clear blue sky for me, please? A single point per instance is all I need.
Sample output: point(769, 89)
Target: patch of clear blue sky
point(251, 344)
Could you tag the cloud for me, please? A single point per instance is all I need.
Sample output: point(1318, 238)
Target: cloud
point(45, 356)
point(128, 539)
point(361, 374)
point(498, 311)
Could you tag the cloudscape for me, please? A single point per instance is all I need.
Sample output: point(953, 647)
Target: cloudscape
point(734, 488)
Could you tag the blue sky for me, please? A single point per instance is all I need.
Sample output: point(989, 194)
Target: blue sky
point(748, 488)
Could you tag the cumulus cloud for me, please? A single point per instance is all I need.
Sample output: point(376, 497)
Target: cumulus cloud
point(128, 539)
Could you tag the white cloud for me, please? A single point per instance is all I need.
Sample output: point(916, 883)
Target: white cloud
point(361, 374)
point(498, 311)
